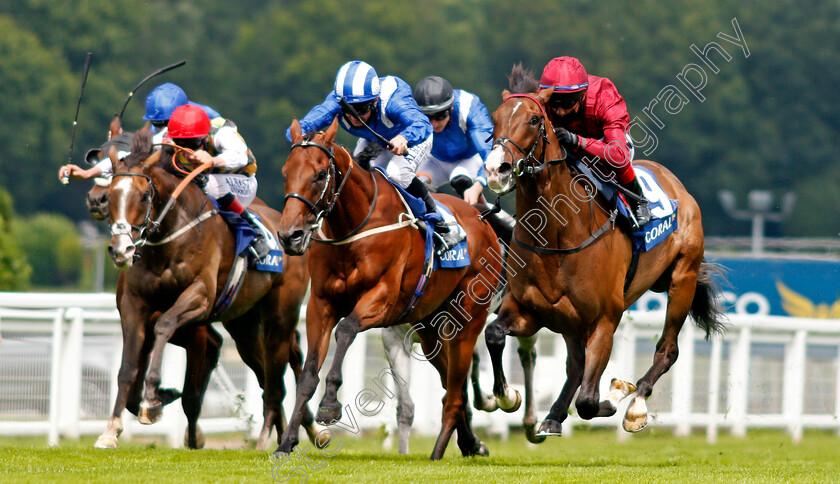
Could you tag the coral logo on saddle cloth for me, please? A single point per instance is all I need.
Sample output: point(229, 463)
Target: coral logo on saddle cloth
point(457, 256)
point(663, 212)
point(273, 262)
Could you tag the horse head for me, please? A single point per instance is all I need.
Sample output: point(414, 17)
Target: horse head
point(521, 131)
point(309, 175)
point(97, 196)
point(131, 195)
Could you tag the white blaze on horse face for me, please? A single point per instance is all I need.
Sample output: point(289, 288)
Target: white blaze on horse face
point(123, 246)
point(499, 183)
point(513, 111)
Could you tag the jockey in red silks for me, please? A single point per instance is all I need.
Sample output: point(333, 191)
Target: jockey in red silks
point(590, 118)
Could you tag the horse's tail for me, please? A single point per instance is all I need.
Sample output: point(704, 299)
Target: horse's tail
point(705, 310)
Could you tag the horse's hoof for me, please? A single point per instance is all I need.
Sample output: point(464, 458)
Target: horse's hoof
point(606, 409)
point(531, 434)
point(486, 403)
point(328, 414)
point(550, 427)
point(482, 450)
point(505, 402)
point(636, 417)
point(149, 414)
point(106, 442)
point(279, 454)
point(199, 439)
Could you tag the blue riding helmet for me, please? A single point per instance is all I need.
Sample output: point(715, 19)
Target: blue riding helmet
point(357, 82)
point(163, 100)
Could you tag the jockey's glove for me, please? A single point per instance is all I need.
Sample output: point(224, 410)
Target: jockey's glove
point(567, 138)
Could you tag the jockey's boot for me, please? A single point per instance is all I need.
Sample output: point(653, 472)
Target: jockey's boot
point(259, 246)
point(639, 204)
point(448, 238)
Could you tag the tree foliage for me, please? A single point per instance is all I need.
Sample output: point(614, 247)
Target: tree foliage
point(767, 120)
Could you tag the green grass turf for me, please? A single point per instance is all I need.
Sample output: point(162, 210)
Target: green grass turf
point(588, 456)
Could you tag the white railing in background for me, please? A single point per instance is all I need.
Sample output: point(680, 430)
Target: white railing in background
point(61, 353)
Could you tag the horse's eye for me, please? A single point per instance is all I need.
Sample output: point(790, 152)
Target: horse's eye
point(535, 119)
point(321, 176)
point(147, 196)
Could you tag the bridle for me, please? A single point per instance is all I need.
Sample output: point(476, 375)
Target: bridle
point(334, 192)
point(529, 164)
point(124, 228)
point(152, 226)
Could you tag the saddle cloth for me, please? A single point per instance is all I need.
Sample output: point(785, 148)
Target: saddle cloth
point(663, 210)
point(453, 258)
point(244, 234)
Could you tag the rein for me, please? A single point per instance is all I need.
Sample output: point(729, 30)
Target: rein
point(152, 226)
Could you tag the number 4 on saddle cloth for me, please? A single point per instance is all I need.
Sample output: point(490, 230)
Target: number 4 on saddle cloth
point(663, 210)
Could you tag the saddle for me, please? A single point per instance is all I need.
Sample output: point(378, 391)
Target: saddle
point(663, 219)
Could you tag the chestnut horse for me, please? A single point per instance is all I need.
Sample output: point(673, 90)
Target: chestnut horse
point(367, 273)
point(578, 262)
point(176, 261)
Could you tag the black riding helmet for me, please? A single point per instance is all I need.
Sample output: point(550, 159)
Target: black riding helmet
point(433, 94)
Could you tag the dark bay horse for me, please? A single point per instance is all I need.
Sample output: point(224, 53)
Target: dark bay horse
point(368, 272)
point(176, 264)
point(577, 263)
point(202, 343)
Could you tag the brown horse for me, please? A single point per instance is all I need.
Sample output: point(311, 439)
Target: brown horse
point(578, 262)
point(368, 274)
point(176, 262)
point(202, 343)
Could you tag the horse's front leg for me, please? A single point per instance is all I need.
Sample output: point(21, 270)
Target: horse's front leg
point(133, 360)
point(370, 311)
point(320, 320)
point(528, 357)
point(511, 321)
point(598, 350)
point(192, 306)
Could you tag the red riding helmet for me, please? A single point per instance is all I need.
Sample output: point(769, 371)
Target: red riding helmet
point(564, 74)
point(189, 121)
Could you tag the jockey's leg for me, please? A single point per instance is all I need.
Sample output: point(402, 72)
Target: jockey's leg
point(228, 202)
point(449, 237)
point(625, 175)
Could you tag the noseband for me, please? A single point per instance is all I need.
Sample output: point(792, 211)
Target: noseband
point(529, 164)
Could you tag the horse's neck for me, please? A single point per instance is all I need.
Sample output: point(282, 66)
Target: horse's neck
point(554, 202)
point(356, 196)
point(188, 201)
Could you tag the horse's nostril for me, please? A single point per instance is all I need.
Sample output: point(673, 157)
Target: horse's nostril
point(505, 167)
point(296, 235)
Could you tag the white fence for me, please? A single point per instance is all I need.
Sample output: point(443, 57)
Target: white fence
point(61, 352)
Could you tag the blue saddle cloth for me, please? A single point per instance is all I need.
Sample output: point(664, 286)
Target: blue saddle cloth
point(663, 210)
point(453, 258)
point(245, 234)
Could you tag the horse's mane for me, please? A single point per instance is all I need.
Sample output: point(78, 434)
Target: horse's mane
point(141, 148)
point(522, 80)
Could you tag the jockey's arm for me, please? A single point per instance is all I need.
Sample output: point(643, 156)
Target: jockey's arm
point(77, 173)
point(231, 148)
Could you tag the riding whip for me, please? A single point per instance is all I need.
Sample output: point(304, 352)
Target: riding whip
point(349, 109)
point(65, 179)
point(153, 74)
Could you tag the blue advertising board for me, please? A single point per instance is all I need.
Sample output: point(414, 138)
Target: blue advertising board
point(780, 287)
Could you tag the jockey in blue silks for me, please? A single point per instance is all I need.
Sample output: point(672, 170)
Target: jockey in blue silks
point(386, 106)
point(463, 130)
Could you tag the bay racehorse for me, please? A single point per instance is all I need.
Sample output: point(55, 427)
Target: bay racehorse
point(177, 254)
point(202, 343)
point(577, 282)
point(367, 272)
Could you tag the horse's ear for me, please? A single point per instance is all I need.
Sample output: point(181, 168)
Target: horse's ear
point(330, 134)
point(115, 129)
point(151, 161)
point(116, 162)
point(505, 94)
point(544, 94)
point(295, 130)
point(146, 127)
